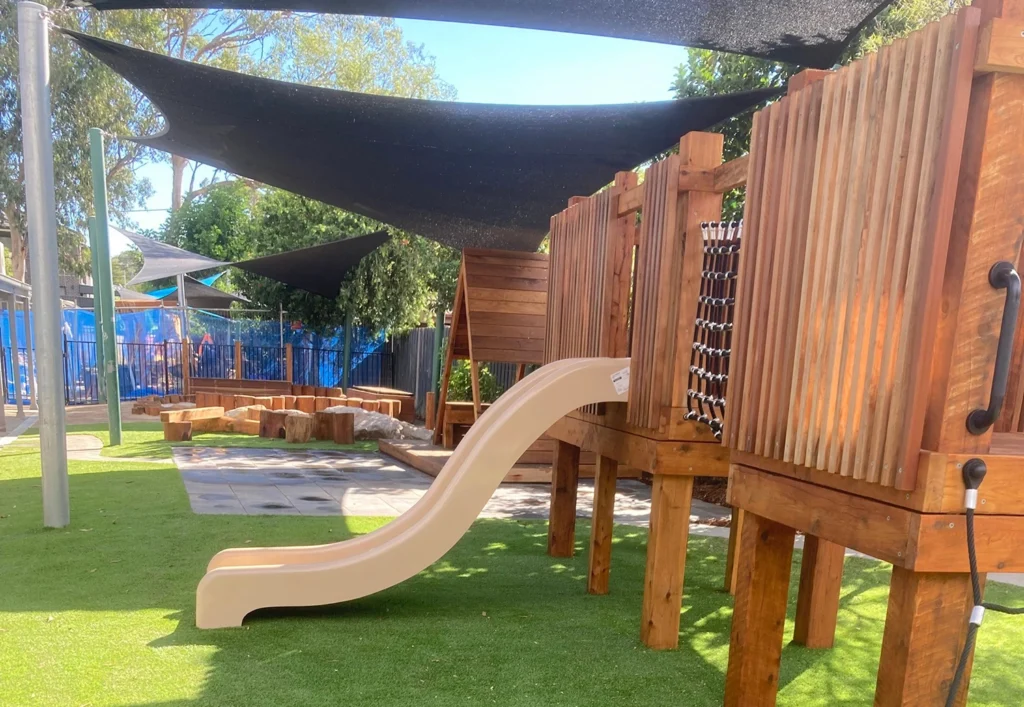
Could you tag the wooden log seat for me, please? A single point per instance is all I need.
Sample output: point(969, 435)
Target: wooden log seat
point(298, 428)
point(407, 410)
point(337, 427)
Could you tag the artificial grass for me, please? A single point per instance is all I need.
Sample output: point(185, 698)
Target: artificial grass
point(102, 613)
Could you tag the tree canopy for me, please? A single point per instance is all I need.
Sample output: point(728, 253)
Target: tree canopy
point(394, 288)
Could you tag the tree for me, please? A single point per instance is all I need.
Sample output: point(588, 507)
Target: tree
point(125, 265)
point(393, 289)
point(83, 95)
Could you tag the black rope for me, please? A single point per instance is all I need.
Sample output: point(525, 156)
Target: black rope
point(974, 473)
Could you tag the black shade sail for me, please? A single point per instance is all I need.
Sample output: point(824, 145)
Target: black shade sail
point(805, 32)
point(201, 296)
point(320, 269)
point(160, 260)
point(463, 174)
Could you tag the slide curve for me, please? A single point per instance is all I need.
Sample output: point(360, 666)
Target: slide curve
point(239, 581)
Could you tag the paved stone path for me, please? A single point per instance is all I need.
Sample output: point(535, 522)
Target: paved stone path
point(319, 482)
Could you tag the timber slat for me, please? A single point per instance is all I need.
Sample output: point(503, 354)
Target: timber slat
point(845, 238)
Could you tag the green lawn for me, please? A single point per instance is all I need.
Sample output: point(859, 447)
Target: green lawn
point(102, 613)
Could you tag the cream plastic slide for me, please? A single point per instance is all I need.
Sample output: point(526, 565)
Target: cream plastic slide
point(239, 581)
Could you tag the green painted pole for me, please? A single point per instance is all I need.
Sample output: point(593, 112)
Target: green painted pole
point(348, 349)
point(103, 284)
point(435, 370)
point(97, 310)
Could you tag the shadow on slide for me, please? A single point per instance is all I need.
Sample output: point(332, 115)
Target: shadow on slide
point(239, 581)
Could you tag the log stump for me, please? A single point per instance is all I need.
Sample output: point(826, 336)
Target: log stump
point(272, 423)
point(337, 427)
point(298, 428)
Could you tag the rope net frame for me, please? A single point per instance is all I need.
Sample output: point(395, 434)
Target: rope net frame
point(712, 337)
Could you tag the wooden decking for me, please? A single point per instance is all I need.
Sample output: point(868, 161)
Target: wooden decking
point(430, 459)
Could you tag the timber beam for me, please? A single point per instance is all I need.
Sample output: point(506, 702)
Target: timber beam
point(725, 177)
point(669, 457)
point(923, 542)
point(1001, 47)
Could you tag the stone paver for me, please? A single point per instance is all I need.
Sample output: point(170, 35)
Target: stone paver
point(321, 482)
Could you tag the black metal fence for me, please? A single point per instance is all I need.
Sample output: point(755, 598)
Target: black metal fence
point(156, 369)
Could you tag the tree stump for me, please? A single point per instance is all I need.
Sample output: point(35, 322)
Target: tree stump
point(298, 428)
point(178, 431)
point(272, 423)
point(305, 403)
point(337, 427)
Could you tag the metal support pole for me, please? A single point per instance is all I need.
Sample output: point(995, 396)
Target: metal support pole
point(97, 310)
point(41, 212)
point(435, 370)
point(19, 398)
point(103, 284)
point(347, 355)
point(280, 315)
point(183, 304)
point(30, 367)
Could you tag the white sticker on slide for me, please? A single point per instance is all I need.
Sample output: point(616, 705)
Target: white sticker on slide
point(620, 379)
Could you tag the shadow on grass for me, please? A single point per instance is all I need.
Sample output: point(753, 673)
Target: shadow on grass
point(495, 622)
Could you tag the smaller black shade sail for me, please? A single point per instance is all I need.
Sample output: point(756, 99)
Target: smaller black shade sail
point(805, 32)
point(319, 269)
point(463, 174)
point(201, 296)
point(160, 260)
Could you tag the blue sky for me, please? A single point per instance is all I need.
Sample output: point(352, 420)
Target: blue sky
point(504, 65)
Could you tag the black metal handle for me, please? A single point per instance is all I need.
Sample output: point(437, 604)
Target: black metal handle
point(1002, 275)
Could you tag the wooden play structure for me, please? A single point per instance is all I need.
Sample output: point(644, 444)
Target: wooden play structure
point(660, 293)
point(498, 316)
point(875, 345)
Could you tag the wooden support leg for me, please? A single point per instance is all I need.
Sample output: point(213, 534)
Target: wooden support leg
point(732, 556)
point(817, 606)
point(601, 527)
point(565, 476)
point(759, 613)
point(925, 628)
point(474, 381)
point(666, 560)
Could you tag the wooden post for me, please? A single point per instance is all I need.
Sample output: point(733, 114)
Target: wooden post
point(238, 360)
point(666, 560)
point(186, 367)
point(732, 564)
point(429, 409)
point(565, 472)
point(474, 381)
point(817, 606)
point(288, 353)
point(925, 627)
point(601, 525)
point(759, 613)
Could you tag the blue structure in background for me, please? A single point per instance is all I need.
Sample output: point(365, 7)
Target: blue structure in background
point(149, 352)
